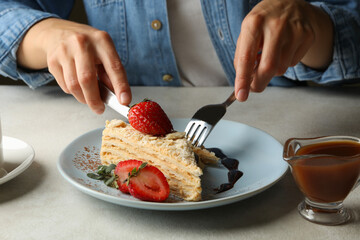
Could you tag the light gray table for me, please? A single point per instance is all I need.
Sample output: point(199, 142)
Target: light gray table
point(40, 204)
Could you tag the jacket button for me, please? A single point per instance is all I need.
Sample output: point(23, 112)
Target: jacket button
point(156, 25)
point(167, 78)
point(220, 33)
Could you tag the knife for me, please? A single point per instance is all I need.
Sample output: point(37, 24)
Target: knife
point(110, 99)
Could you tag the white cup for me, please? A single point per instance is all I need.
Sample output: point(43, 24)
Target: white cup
point(2, 170)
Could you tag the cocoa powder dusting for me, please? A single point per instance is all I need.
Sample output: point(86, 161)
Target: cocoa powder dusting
point(88, 184)
point(87, 160)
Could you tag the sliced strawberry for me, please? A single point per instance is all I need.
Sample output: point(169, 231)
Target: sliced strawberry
point(122, 171)
point(149, 184)
point(148, 117)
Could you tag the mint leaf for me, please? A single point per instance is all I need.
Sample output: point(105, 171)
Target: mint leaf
point(110, 181)
point(95, 176)
point(134, 172)
point(105, 173)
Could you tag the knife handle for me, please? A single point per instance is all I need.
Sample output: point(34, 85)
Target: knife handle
point(110, 99)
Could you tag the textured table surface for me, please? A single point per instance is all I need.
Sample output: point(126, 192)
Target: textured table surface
point(40, 204)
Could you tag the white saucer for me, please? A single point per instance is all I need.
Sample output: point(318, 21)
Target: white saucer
point(18, 156)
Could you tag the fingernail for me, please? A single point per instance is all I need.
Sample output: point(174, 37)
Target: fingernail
point(100, 110)
point(124, 98)
point(242, 95)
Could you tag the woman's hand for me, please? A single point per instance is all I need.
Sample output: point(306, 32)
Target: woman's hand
point(278, 34)
point(76, 54)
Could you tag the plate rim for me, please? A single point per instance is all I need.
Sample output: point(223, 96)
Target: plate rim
point(177, 206)
point(25, 164)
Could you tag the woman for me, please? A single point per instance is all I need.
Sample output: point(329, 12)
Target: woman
point(128, 42)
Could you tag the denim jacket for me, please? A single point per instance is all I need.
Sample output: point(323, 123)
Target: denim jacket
point(147, 54)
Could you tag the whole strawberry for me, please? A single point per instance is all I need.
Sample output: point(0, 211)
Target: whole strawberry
point(148, 117)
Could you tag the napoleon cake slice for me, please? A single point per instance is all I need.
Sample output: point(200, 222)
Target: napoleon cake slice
point(172, 154)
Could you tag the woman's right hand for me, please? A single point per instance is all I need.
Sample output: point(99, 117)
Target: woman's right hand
point(76, 54)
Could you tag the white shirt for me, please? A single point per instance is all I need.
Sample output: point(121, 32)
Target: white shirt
point(195, 55)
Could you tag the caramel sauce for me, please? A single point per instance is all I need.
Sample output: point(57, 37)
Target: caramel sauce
point(327, 178)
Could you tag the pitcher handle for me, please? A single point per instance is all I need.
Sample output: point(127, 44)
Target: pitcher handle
point(357, 184)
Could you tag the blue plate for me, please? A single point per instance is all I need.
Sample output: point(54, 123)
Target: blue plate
point(259, 155)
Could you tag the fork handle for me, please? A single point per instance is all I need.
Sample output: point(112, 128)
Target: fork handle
point(230, 99)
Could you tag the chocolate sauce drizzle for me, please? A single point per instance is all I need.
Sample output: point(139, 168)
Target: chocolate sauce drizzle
point(232, 165)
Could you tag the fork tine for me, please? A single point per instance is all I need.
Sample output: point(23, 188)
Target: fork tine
point(203, 121)
point(199, 131)
point(204, 136)
point(191, 130)
point(188, 128)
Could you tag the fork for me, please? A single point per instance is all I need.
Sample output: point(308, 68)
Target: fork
point(205, 119)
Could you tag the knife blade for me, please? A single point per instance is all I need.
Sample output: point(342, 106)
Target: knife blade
point(110, 99)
